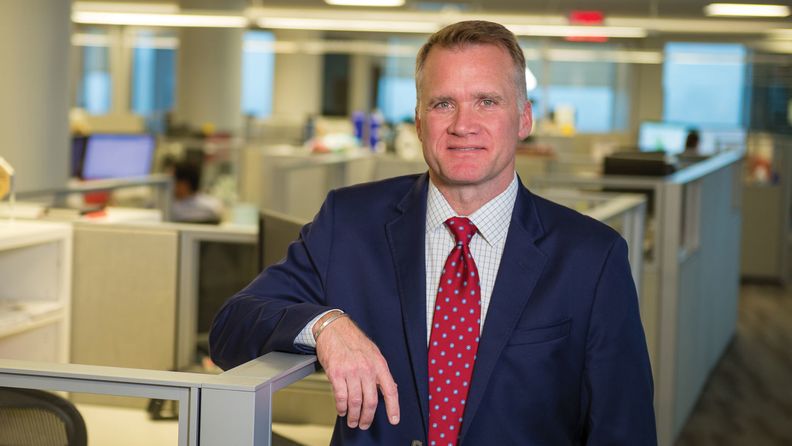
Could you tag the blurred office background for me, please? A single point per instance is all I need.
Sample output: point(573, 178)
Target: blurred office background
point(269, 104)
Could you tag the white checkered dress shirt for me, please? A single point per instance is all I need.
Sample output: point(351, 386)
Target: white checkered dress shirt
point(492, 221)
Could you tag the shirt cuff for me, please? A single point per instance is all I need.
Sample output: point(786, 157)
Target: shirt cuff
point(305, 337)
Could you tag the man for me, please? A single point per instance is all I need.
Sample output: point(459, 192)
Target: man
point(527, 333)
point(190, 204)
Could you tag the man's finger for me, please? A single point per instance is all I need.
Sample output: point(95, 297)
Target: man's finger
point(370, 397)
point(340, 395)
point(390, 394)
point(354, 402)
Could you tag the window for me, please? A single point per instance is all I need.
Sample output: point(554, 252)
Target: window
point(569, 78)
point(258, 73)
point(703, 83)
point(396, 96)
point(94, 90)
point(153, 76)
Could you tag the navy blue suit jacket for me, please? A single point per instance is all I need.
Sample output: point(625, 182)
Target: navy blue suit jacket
point(562, 358)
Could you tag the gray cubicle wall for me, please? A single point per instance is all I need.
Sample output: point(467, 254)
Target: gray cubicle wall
point(124, 297)
point(707, 281)
point(691, 278)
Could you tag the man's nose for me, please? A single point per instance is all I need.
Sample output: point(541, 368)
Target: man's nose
point(465, 122)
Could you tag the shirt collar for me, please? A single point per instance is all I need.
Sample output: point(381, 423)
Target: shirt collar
point(492, 219)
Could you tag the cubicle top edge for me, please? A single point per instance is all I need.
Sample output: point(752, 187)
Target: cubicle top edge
point(21, 233)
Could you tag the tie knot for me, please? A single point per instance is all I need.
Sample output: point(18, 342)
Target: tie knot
point(462, 228)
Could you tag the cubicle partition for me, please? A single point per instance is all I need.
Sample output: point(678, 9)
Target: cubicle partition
point(144, 293)
point(231, 408)
point(152, 191)
point(690, 274)
point(294, 181)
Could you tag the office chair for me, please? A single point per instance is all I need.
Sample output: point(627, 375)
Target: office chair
point(31, 417)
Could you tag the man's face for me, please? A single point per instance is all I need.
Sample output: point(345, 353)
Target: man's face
point(468, 118)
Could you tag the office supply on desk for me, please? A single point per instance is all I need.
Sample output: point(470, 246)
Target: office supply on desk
point(638, 163)
point(6, 178)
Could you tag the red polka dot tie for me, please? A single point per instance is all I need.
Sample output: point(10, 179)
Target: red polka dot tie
point(454, 339)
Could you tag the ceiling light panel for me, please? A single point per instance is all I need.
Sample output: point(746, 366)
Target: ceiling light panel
point(745, 10)
point(374, 3)
point(143, 19)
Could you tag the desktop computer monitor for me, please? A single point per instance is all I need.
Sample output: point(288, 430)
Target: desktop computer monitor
point(117, 156)
point(714, 140)
point(662, 136)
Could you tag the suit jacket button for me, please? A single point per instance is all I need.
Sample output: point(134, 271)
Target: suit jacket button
point(416, 443)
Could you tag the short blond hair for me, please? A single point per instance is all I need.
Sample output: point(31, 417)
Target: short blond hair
point(475, 32)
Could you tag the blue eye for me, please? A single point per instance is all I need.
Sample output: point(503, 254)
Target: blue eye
point(443, 104)
point(488, 102)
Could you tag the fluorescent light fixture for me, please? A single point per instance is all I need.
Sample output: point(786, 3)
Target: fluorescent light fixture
point(157, 8)
point(398, 26)
point(376, 3)
point(745, 10)
point(145, 19)
point(577, 31)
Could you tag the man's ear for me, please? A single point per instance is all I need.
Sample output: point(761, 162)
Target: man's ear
point(526, 120)
point(418, 124)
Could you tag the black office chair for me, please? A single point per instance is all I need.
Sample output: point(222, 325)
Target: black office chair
point(31, 417)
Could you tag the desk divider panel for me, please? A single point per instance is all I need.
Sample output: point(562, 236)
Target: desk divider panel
point(124, 296)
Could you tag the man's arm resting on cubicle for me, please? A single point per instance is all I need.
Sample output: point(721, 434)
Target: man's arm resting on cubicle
point(271, 312)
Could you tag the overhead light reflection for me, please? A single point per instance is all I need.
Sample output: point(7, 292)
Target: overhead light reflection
point(745, 10)
point(581, 31)
point(146, 19)
point(347, 25)
point(374, 3)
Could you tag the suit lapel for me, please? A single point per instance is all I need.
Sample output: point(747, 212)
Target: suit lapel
point(406, 235)
point(520, 268)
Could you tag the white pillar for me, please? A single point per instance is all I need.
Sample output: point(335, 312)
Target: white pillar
point(34, 87)
point(360, 83)
point(209, 72)
point(298, 79)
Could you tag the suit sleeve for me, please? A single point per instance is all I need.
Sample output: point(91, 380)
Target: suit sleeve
point(268, 314)
point(618, 374)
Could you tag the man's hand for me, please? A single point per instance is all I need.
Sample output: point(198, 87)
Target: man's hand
point(355, 368)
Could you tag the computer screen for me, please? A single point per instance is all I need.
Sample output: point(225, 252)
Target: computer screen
point(662, 136)
point(117, 156)
point(714, 140)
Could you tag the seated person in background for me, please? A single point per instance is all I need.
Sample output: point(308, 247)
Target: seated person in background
point(692, 142)
point(190, 205)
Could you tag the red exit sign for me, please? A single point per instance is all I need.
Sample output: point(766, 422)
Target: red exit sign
point(586, 18)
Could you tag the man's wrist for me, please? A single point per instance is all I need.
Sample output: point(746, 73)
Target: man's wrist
point(320, 324)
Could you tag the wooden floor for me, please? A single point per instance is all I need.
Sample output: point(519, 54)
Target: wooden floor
point(748, 399)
